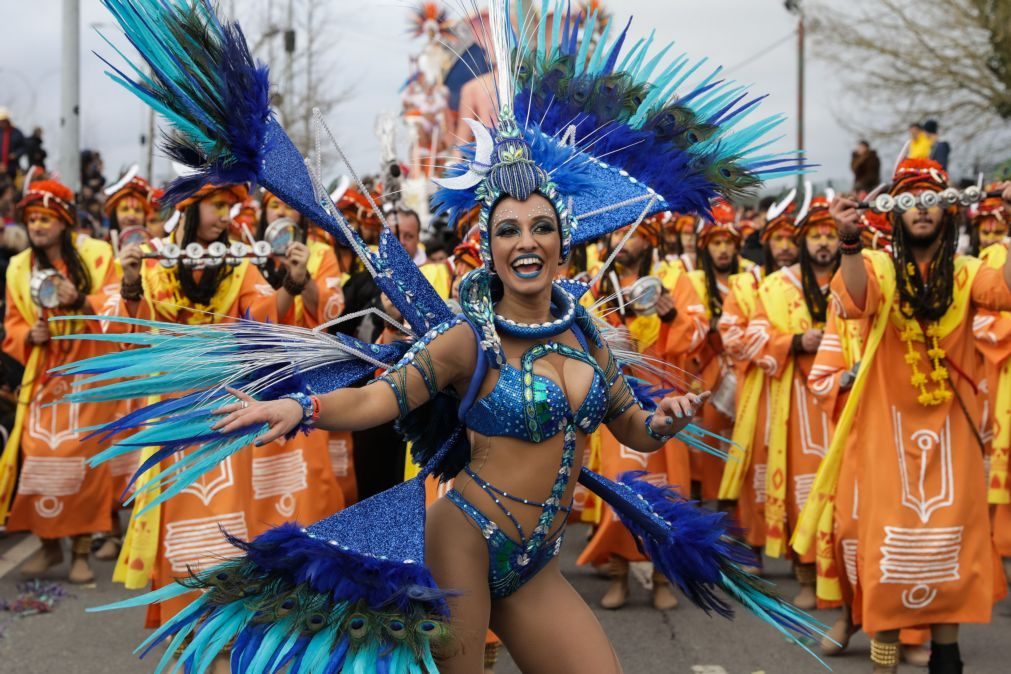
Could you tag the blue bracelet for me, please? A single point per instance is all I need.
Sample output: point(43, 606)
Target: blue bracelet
point(653, 434)
point(308, 410)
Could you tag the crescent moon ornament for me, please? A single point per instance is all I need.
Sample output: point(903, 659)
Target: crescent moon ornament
point(484, 145)
point(342, 186)
point(777, 209)
point(130, 174)
point(808, 190)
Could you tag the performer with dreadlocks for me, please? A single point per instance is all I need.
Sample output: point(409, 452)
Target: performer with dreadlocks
point(926, 557)
point(719, 245)
point(743, 479)
point(785, 332)
point(612, 543)
point(61, 273)
point(988, 224)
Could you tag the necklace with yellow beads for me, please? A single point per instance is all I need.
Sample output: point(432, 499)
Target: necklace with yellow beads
point(935, 355)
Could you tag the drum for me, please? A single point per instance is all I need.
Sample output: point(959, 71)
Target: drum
point(44, 288)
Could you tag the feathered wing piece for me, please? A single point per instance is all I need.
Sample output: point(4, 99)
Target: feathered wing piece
point(205, 83)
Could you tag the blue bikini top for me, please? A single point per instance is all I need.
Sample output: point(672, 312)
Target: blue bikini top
point(529, 406)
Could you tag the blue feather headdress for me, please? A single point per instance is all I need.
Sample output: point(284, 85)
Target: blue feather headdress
point(609, 138)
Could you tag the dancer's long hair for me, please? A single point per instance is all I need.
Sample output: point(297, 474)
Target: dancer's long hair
point(77, 271)
point(202, 291)
point(928, 300)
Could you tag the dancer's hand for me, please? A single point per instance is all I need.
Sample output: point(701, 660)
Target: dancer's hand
point(296, 259)
point(847, 217)
point(281, 416)
point(672, 414)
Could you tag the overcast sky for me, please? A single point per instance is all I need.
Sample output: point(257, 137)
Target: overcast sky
point(374, 53)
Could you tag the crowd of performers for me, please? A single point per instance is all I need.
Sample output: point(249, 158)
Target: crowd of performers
point(902, 530)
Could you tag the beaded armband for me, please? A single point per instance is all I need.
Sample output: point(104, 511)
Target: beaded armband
point(624, 398)
point(420, 359)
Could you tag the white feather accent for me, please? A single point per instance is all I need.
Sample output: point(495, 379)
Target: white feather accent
point(777, 209)
point(130, 174)
point(806, 206)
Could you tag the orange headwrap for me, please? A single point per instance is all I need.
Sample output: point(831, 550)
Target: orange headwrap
point(469, 253)
point(53, 196)
point(357, 209)
point(136, 187)
point(912, 174)
point(876, 230)
point(683, 222)
point(988, 208)
point(784, 220)
point(238, 193)
point(817, 216)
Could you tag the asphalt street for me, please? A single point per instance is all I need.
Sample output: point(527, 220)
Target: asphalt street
point(70, 641)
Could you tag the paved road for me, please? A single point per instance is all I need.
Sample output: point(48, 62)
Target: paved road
point(69, 641)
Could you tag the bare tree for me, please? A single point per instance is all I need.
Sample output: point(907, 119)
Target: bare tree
point(904, 61)
point(298, 85)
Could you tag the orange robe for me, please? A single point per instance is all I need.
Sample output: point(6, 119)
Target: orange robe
point(190, 524)
point(668, 464)
point(293, 480)
point(799, 428)
point(924, 554)
point(57, 493)
point(744, 474)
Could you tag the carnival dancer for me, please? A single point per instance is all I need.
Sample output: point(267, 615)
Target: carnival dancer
point(830, 380)
point(501, 398)
point(680, 238)
point(988, 224)
point(166, 540)
point(785, 332)
point(293, 480)
point(743, 479)
point(719, 243)
point(612, 543)
point(925, 554)
point(57, 495)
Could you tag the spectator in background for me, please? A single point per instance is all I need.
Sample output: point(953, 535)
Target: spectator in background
point(939, 149)
point(866, 168)
point(33, 149)
point(12, 144)
point(919, 144)
point(92, 177)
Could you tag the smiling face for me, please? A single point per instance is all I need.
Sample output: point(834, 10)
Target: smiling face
point(922, 225)
point(526, 246)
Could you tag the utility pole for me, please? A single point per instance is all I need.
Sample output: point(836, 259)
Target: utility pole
point(289, 61)
point(793, 6)
point(70, 96)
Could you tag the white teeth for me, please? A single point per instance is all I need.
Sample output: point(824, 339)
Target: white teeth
point(526, 260)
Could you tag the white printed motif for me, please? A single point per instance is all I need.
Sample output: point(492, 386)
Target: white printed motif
point(199, 543)
point(758, 482)
point(921, 558)
point(282, 475)
point(212, 483)
point(914, 477)
point(124, 464)
point(51, 477)
point(811, 441)
point(849, 553)
point(632, 455)
point(340, 456)
point(802, 488)
point(63, 418)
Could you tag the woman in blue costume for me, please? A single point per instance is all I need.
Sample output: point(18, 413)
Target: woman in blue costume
point(501, 397)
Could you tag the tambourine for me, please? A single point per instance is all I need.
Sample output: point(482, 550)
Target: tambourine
point(44, 288)
point(280, 234)
point(133, 236)
point(644, 294)
point(906, 201)
point(214, 255)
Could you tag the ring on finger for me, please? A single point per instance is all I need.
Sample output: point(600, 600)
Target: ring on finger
point(244, 404)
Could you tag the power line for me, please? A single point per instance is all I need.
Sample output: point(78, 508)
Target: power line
point(762, 52)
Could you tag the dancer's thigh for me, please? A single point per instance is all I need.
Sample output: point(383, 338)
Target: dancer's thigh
point(549, 629)
point(457, 556)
